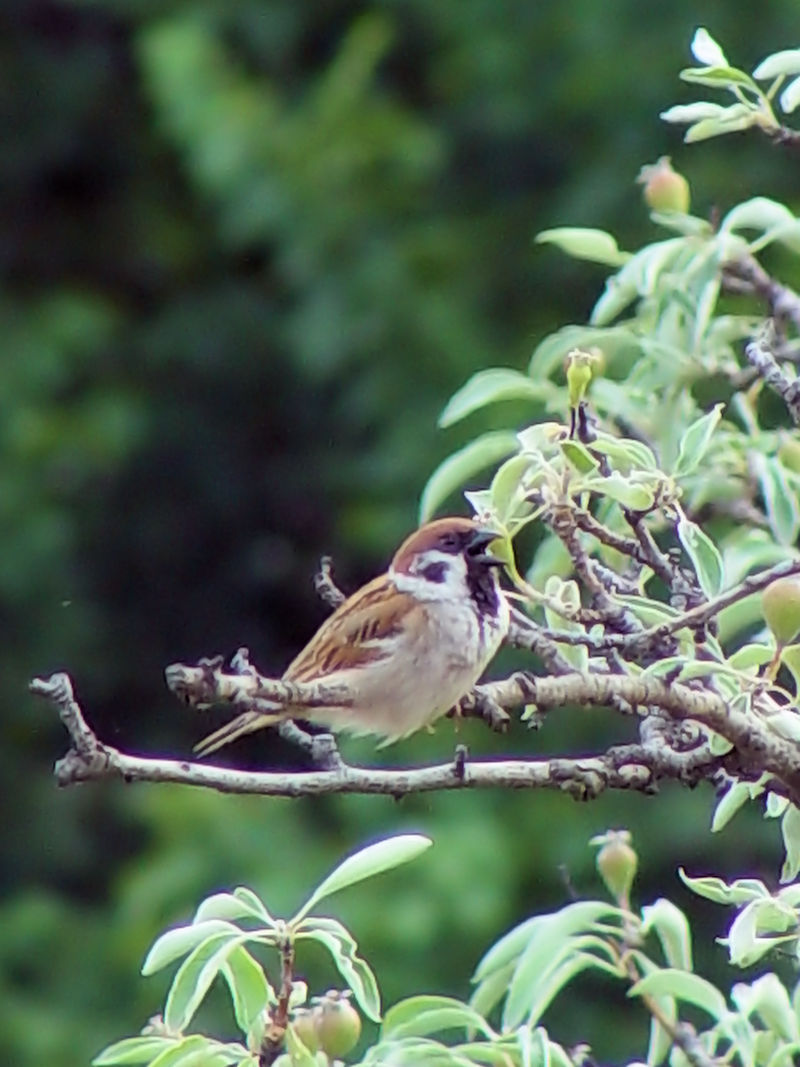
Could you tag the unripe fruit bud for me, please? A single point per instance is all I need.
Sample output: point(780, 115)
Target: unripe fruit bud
point(304, 1023)
point(617, 863)
point(338, 1024)
point(579, 367)
point(664, 189)
point(789, 454)
point(780, 603)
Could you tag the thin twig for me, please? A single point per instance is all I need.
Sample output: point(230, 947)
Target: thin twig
point(761, 355)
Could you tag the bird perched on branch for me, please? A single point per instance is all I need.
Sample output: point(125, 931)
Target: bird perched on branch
point(407, 646)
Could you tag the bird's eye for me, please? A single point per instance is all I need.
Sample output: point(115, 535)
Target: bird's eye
point(449, 542)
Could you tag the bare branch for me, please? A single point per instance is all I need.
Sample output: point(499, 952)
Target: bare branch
point(636, 644)
point(746, 275)
point(761, 355)
point(637, 767)
point(327, 590)
point(758, 748)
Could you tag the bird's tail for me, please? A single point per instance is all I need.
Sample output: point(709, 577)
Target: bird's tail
point(246, 723)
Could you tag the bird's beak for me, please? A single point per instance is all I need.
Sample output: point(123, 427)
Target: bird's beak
point(479, 543)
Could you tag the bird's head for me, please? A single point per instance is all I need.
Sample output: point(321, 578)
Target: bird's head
point(449, 558)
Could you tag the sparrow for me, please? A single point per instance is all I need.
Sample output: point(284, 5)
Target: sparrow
point(407, 646)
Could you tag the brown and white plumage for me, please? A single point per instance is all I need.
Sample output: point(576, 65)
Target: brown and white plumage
point(408, 645)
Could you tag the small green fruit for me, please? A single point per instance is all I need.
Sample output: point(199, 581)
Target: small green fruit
point(304, 1023)
point(338, 1024)
point(664, 188)
point(789, 454)
point(780, 603)
point(617, 863)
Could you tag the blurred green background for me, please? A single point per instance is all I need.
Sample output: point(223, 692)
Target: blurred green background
point(248, 250)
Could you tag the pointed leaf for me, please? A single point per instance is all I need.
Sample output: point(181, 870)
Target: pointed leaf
point(231, 906)
point(790, 97)
point(133, 1050)
point(739, 892)
point(683, 986)
point(250, 990)
point(703, 109)
point(355, 971)
point(176, 943)
point(704, 555)
point(706, 50)
point(672, 928)
point(421, 1016)
point(372, 860)
point(735, 797)
point(695, 441)
point(780, 501)
point(585, 243)
point(790, 831)
point(458, 468)
point(194, 979)
point(786, 62)
point(631, 495)
point(490, 387)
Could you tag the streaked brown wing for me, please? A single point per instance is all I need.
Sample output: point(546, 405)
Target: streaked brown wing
point(350, 637)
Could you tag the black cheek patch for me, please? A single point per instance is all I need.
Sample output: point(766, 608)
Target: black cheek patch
point(434, 572)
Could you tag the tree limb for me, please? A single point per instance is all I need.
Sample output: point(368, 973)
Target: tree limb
point(637, 767)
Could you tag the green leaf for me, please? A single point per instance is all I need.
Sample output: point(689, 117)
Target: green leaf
point(706, 50)
point(689, 113)
point(194, 978)
point(759, 213)
point(790, 831)
point(735, 797)
point(133, 1050)
point(758, 928)
point(695, 441)
point(355, 971)
point(625, 453)
point(585, 243)
point(423, 1015)
point(176, 943)
point(704, 555)
point(372, 860)
point(790, 658)
point(650, 612)
point(719, 78)
point(459, 467)
point(509, 487)
point(790, 97)
point(508, 948)
point(767, 997)
point(785, 63)
point(234, 905)
point(490, 387)
point(195, 1051)
point(741, 891)
point(669, 923)
point(531, 992)
point(631, 495)
point(780, 501)
point(491, 990)
point(736, 117)
point(250, 990)
point(683, 986)
point(542, 968)
point(579, 456)
point(750, 656)
point(254, 902)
